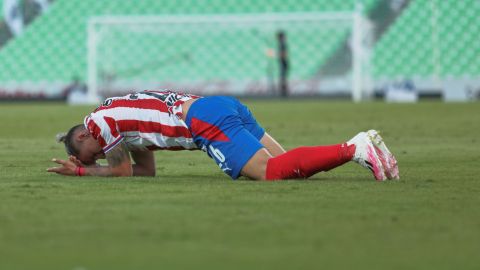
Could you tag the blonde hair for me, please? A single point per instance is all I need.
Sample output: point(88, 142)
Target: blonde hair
point(61, 137)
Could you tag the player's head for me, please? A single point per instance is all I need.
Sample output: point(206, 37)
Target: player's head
point(81, 144)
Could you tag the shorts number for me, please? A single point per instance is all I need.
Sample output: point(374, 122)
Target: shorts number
point(220, 157)
point(217, 153)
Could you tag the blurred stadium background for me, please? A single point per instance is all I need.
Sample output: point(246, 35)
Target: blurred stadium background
point(399, 49)
point(191, 216)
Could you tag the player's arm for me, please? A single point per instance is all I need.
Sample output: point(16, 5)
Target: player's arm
point(144, 163)
point(119, 163)
point(118, 159)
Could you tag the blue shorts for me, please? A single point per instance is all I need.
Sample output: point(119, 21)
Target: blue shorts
point(226, 130)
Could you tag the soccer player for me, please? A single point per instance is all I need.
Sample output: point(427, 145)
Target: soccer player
point(125, 130)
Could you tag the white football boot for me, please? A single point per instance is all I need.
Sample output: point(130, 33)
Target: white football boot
point(366, 156)
point(386, 157)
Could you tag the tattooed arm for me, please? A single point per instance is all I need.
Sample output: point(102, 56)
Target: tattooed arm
point(119, 164)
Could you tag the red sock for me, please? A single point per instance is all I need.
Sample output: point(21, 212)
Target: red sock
point(303, 162)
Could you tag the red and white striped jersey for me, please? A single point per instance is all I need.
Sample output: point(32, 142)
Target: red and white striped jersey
point(148, 120)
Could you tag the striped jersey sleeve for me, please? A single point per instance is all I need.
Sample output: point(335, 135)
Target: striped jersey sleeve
point(104, 130)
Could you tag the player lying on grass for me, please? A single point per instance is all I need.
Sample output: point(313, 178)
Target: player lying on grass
point(129, 128)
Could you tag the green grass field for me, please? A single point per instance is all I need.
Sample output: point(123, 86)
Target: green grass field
point(192, 216)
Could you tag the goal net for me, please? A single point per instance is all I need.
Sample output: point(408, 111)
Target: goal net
point(321, 54)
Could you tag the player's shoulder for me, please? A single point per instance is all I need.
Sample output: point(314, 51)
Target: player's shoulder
point(110, 102)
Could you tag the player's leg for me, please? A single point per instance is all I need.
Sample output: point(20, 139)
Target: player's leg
point(298, 163)
point(251, 124)
point(236, 150)
point(303, 162)
point(275, 163)
point(256, 166)
point(272, 146)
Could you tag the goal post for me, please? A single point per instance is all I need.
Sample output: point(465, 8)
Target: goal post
point(228, 54)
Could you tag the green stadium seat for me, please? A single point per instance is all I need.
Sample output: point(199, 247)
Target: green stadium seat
point(412, 44)
point(53, 47)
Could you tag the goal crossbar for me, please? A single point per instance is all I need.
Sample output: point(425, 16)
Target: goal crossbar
point(351, 18)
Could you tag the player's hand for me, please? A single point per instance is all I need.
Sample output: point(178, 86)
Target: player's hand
point(76, 161)
point(67, 167)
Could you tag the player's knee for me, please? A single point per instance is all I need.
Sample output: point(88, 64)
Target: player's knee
point(256, 167)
